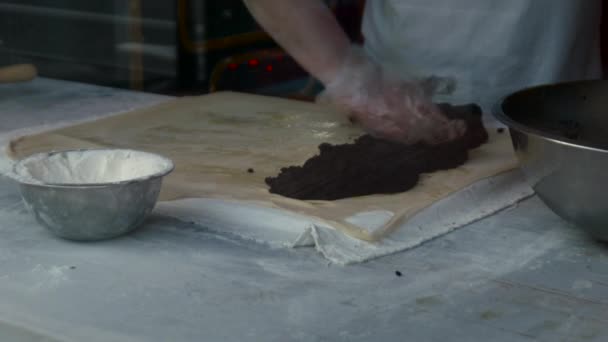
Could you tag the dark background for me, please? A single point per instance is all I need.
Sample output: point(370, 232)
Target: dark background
point(175, 47)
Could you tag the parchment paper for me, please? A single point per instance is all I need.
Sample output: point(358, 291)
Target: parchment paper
point(215, 139)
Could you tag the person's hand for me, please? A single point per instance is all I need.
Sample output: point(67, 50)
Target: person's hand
point(389, 108)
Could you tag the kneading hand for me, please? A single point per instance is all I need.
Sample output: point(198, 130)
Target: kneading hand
point(386, 107)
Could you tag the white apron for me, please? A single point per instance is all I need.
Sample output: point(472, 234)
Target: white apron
point(490, 47)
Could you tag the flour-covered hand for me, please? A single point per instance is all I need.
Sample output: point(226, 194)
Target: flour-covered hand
point(387, 107)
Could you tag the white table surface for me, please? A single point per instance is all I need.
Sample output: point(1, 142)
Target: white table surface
point(520, 275)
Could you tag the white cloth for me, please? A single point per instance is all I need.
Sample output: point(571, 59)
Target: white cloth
point(490, 47)
point(281, 229)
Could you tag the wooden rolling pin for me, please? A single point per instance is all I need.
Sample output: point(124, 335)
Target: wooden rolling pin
point(17, 73)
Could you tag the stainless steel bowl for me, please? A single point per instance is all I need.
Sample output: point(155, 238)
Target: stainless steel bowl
point(92, 211)
point(560, 136)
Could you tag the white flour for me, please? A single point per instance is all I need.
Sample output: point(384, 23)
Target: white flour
point(90, 167)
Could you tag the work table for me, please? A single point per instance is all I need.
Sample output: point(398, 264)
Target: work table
point(520, 275)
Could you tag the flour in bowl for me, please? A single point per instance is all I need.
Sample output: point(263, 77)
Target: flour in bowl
point(90, 167)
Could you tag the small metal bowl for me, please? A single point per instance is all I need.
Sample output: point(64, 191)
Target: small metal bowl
point(86, 210)
point(559, 133)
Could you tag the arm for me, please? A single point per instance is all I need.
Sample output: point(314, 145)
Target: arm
point(308, 31)
point(398, 110)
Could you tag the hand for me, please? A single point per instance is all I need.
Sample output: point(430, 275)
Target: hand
point(389, 108)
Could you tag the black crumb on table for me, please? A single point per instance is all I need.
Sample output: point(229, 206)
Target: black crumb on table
point(500, 130)
point(250, 170)
point(72, 267)
point(398, 273)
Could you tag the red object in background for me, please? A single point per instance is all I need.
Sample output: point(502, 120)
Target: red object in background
point(254, 63)
point(233, 66)
point(269, 67)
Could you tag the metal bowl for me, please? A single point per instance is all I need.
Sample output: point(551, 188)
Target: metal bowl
point(86, 210)
point(560, 136)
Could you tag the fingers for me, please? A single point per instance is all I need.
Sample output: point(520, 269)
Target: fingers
point(408, 121)
point(396, 111)
point(445, 132)
point(438, 128)
point(408, 130)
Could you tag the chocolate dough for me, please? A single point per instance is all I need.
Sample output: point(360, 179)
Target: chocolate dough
point(374, 166)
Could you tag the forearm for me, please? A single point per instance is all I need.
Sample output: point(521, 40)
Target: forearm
point(307, 30)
